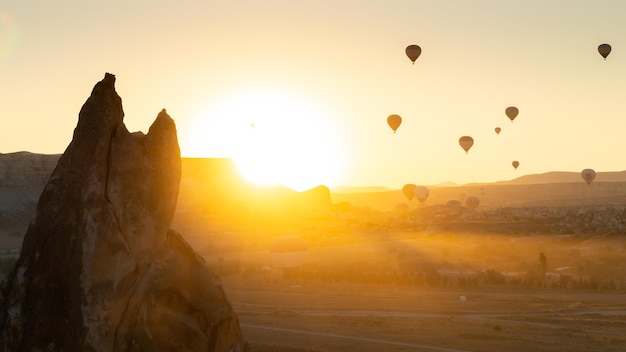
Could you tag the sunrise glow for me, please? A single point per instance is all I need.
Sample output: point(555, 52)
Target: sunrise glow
point(274, 136)
point(313, 176)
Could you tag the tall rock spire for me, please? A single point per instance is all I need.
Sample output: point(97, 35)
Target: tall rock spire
point(100, 270)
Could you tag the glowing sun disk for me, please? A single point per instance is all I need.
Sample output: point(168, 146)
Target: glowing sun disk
point(276, 137)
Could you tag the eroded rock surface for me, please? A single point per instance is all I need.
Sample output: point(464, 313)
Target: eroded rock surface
point(99, 269)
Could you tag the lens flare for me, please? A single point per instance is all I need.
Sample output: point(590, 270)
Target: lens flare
point(8, 34)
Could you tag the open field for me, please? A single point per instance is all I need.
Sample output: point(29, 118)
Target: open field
point(497, 195)
point(379, 277)
point(371, 317)
point(433, 292)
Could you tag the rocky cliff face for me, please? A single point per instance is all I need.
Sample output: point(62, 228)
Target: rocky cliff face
point(23, 176)
point(100, 270)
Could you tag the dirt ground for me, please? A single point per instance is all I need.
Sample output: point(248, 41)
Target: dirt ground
point(423, 291)
point(314, 317)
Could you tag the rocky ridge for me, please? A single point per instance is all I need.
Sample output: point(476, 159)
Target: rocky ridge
point(100, 269)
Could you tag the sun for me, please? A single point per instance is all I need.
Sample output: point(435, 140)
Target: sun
point(276, 137)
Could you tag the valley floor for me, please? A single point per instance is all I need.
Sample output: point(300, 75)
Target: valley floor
point(317, 317)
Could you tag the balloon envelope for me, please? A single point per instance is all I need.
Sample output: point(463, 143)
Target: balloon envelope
point(604, 50)
point(472, 202)
point(498, 129)
point(413, 52)
point(511, 112)
point(454, 203)
point(394, 122)
point(588, 175)
point(288, 251)
point(466, 142)
point(408, 191)
point(515, 164)
point(421, 193)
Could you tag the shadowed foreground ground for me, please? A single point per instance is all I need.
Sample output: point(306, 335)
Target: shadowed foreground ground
point(283, 316)
point(380, 290)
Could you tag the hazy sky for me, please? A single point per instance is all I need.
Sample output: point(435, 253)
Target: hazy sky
point(305, 88)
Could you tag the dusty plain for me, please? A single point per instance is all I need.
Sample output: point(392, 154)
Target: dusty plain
point(427, 291)
point(382, 273)
point(378, 277)
point(370, 317)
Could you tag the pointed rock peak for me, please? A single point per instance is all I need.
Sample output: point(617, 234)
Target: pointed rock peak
point(163, 116)
point(99, 269)
point(102, 111)
point(109, 79)
point(162, 138)
point(163, 122)
point(106, 85)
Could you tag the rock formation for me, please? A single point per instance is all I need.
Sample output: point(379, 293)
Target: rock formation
point(99, 269)
point(23, 176)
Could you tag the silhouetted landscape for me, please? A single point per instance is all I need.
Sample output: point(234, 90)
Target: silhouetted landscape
point(312, 177)
point(382, 270)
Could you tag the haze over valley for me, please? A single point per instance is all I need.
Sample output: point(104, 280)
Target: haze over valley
point(412, 175)
point(366, 239)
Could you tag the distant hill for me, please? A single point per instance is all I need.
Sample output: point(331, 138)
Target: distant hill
point(215, 185)
point(22, 178)
point(564, 177)
point(532, 179)
point(347, 189)
point(557, 189)
point(210, 188)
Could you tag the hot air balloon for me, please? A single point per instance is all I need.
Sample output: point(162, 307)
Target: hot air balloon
point(604, 50)
point(288, 251)
point(515, 164)
point(498, 129)
point(408, 191)
point(394, 122)
point(511, 112)
point(466, 143)
point(413, 52)
point(472, 202)
point(421, 193)
point(588, 175)
point(453, 203)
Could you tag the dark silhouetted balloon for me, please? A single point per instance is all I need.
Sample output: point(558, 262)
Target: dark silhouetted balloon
point(454, 203)
point(413, 52)
point(515, 164)
point(472, 202)
point(394, 122)
point(511, 112)
point(466, 142)
point(288, 251)
point(408, 191)
point(421, 193)
point(588, 175)
point(498, 129)
point(604, 50)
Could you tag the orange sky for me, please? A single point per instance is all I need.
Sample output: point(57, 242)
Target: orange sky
point(318, 80)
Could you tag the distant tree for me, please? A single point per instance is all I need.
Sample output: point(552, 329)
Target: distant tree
point(495, 277)
point(544, 263)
